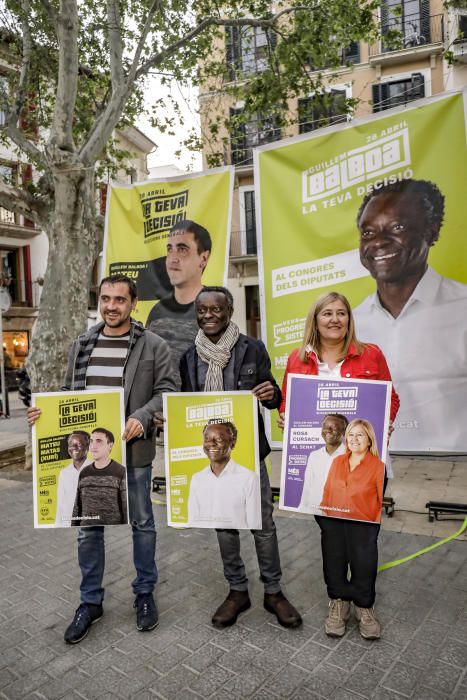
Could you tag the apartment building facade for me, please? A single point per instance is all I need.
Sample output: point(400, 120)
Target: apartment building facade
point(429, 57)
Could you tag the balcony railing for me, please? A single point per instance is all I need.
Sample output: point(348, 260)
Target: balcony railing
point(242, 147)
point(409, 32)
point(9, 218)
point(243, 243)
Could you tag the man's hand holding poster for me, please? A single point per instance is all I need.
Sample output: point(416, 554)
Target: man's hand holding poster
point(335, 445)
point(211, 460)
point(79, 473)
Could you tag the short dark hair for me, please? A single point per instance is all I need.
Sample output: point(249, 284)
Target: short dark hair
point(81, 433)
point(117, 279)
point(228, 424)
point(216, 290)
point(344, 419)
point(107, 433)
point(429, 195)
point(200, 234)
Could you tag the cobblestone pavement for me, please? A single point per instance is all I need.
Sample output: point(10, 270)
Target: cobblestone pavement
point(422, 654)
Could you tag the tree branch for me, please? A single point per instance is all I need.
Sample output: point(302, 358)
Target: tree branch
point(14, 113)
point(144, 35)
point(107, 121)
point(52, 15)
point(214, 22)
point(21, 202)
point(114, 21)
point(67, 84)
point(121, 86)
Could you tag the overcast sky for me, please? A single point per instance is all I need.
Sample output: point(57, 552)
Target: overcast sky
point(167, 145)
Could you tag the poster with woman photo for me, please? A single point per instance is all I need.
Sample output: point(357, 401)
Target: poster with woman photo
point(212, 460)
point(79, 473)
point(335, 445)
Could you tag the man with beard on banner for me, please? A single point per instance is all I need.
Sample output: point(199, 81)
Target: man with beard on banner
point(173, 317)
point(120, 353)
point(225, 359)
point(416, 316)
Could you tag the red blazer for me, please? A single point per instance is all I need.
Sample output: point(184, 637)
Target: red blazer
point(370, 364)
point(356, 494)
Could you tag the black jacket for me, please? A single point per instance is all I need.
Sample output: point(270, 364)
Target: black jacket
point(252, 367)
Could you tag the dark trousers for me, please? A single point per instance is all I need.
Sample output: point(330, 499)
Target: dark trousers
point(349, 544)
point(267, 548)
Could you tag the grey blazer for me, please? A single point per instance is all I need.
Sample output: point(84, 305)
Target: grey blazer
point(148, 374)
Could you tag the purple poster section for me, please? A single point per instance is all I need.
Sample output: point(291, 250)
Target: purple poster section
point(309, 400)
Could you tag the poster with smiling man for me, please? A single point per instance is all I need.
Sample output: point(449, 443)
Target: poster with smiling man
point(211, 460)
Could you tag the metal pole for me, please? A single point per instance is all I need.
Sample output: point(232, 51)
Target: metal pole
point(2, 370)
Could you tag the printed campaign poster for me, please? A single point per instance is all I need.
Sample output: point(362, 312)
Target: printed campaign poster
point(315, 474)
point(138, 223)
point(79, 458)
point(212, 460)
point(310, 191)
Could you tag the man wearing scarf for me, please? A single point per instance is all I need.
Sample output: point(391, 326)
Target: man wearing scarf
point(223, 359)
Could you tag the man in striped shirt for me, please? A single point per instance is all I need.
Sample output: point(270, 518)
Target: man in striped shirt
point(120, 352)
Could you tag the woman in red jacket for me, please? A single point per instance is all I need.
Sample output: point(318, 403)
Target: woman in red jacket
point(330, 349)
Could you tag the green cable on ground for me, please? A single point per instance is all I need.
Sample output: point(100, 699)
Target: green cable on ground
point(390, 564)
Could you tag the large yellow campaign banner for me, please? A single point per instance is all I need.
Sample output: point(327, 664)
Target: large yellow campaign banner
point(139, 220)
point(376, 209)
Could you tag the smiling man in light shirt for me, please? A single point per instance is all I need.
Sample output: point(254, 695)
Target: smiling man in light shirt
point(319, 462)
point(224, 494)
point(416, 316)
point(78, 446)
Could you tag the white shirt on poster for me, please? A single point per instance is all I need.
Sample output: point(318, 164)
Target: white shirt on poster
point(317, 470)
point(426, 350)
point(230, 500)
point(66, 493)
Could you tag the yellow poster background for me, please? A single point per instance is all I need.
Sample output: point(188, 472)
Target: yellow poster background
point(62, 413)
point(139, 219)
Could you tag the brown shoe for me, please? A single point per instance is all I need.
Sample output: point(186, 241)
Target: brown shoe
point(227, 613)
point(278, 605)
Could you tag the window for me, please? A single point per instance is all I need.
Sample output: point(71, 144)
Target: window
point(245, 136)
point(3, 98)
point(248, 50)
point(398, 92)
point(410, 17)
point(351, 54)
point(252, 311)
point(245, 243)
point(8, 173)
point(322, 110)
point(461, 29)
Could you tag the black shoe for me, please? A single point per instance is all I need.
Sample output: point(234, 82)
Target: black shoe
point(85, 616)
point(278, 605)
point(146, 612)
point(227, 613)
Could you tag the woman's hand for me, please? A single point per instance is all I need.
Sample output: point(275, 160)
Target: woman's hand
point(281, 421)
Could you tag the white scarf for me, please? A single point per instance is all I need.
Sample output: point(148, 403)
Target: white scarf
point(216, 355)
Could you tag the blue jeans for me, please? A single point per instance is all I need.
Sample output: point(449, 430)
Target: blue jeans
point(267, 549)
point(91, 547)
